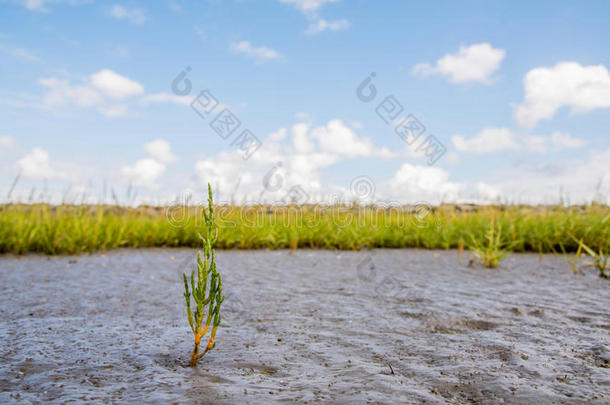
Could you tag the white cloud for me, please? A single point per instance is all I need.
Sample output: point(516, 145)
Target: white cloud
point(160, 150)
point(412, 183)
point(278, 135)
point(6, 142)
point(474, 63)
point(487, 141)
point(569, 84)
point(100, 92)
point(114, 85)
point(317, 24)
point(339, 139)
point(535, 144)
point(299, 155)
point(320, 25)
point(223, 172)
point(308, 6)
point(299, 159)
point(37, 165)
point(580, 180)
point(143, 173)
point(567, 141)
point(114, 110)
point(487, 192)
point(301, 141)
point(259, 54)
point(61, 92)
point(158, 98)
point(491, 139)
point(133, 15)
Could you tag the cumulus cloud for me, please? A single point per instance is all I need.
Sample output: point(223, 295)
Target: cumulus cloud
point(491, 140)
point(37, 165)
point(108, 92)
point(487, 141)
point(474, 63)
point(114, 85)
point(296, 156)
point(101, 90)
point(412, 183)
point(62, 92)
point(260, 54)
point(133, 15)
point(301, 139)
point(337, 138)
point(487, 192)
point(567, 84)
point(145, 172)
point(567, 141)
point(298, 160)
point(301, 154)
point(160, 150)
point(578, 179)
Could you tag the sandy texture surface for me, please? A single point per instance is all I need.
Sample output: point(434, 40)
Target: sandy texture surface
point(387, 326)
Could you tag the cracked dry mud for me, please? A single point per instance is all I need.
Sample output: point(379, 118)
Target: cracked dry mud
point(383, 326)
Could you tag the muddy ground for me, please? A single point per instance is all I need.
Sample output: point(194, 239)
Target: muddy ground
point(386, 326)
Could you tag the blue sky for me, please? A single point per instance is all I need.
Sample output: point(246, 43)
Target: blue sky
point(517, 94)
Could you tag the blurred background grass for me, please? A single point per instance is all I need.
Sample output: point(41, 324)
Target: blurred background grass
point(71, 229)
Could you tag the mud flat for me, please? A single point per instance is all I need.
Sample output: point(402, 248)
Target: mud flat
point(385, 326)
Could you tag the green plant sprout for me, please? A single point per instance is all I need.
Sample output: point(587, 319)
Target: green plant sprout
point(206, 269)
point(492, 250)
point(573, 261)
point(600, 259)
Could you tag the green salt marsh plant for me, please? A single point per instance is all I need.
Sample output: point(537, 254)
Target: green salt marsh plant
point(490, 250)
point(573, 261)
point(599, 259)
point(207, 290)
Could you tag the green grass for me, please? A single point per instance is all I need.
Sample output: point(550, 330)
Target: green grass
point(598, 260)
point(71, 229)
point(491, 249)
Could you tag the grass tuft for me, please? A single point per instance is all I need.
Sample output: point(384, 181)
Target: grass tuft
point(598, 259)
point(490, 249)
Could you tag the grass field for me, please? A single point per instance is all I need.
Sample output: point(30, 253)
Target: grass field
point(71, 229)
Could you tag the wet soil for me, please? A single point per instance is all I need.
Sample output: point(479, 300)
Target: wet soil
point(384, 326)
